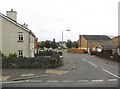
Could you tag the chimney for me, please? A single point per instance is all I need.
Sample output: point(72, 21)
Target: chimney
point(25, 25)
point(12, 14)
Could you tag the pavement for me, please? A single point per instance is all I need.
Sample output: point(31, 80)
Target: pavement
point(22, 74)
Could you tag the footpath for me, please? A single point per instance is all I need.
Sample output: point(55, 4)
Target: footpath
point(23, 74)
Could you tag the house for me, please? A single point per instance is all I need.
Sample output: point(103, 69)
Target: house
point(106, 50)
point(15, 37)
point(116, 41)
point(105, 47)
point(87, 42)
point(60, 44)
point(36, 45)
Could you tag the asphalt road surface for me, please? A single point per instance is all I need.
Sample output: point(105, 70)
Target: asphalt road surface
point(89, 71)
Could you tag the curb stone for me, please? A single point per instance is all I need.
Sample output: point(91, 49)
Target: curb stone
point(40, 76)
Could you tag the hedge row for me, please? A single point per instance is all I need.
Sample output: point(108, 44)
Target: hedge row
point(76, 50)
point(47, 53)
point(108, 56)
point(39, 62)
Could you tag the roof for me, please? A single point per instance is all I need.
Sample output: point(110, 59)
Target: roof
point(107, 46)
point(14, 22)
point(96, 37)
point(117, 37)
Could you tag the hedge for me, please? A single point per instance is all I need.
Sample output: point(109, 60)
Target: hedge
point(108, 56)
point(38, 62)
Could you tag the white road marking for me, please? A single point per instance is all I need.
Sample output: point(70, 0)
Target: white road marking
point(52, 81)
point(111, 73)
point(82, 80)
point(92, 64)
point(12, 82)
point(35, 81)
point(112, 80)
point(23, 75)
point(67, 81)
point(84, 59)
point(97, 80)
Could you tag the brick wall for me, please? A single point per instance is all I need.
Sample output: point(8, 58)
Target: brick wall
point(116, 41)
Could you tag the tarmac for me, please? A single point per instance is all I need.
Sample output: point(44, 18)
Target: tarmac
point(24, 74)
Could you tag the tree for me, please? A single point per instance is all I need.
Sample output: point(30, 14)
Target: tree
point(47, 44)
point(53, 44)
point(69, 43)
point(74, 44)
point(42, 44)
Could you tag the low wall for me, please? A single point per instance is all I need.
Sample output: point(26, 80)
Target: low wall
point(38, 62)
point(108, 56)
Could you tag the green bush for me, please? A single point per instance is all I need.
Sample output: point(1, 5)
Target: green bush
point(12, 55)
point(38, 62)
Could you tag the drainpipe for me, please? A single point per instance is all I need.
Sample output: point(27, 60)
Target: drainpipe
point(29, 43)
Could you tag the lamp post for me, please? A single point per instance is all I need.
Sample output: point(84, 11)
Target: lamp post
point(62, 38)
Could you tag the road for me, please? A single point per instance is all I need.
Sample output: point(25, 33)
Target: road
point(89, 71)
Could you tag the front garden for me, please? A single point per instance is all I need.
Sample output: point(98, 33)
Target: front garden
point(45, 59)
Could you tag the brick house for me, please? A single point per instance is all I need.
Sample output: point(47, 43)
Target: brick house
point(87, 42)
point(106, 47)
point(36, 45)
point(116, 41)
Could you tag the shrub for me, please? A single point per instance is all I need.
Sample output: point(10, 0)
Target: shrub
point(37, 62)
point(3, 56)
point(12, 55)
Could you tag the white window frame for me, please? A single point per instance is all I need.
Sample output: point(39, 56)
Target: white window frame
point(20, 53)
point(20, 36)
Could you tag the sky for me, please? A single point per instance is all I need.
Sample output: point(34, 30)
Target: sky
point(48, 18)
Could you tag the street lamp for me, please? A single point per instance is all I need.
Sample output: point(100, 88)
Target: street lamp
point(62, 38)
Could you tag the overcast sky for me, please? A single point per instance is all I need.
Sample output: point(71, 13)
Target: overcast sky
point(47, 18)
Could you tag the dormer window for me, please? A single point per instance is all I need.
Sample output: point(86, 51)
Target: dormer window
point(20, 36)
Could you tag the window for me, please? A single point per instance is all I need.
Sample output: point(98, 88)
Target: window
point(20, 36)
point(20, 53)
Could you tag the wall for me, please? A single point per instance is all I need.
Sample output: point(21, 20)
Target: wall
point(83, 42)
point(10, 39)
point(36, 45)
point(116, 41)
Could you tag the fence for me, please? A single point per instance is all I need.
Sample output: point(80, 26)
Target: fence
point(76, 51)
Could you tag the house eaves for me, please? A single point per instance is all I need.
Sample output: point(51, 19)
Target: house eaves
point(96, 37)
point(14, 22)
